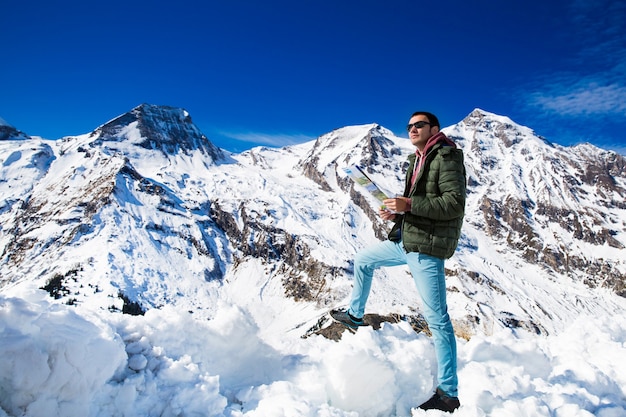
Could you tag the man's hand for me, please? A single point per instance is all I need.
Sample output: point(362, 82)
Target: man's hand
point(386, 214)
point(398, 204)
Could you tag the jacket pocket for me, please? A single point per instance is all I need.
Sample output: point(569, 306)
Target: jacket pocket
point(395, 235)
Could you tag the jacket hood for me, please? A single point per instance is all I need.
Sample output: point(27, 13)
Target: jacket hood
point(438, 137)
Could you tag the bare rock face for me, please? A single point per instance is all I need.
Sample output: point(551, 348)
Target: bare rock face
point(332, 330)
point(165, 128)
point(10, 133)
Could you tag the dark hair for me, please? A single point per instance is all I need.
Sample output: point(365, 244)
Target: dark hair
point(432, 119)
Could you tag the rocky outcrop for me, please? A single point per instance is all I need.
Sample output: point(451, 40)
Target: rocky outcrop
point(165, 128)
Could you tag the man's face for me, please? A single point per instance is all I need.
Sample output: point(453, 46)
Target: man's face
point(420, 135)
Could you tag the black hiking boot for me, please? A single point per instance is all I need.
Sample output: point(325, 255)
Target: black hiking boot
point(347, 319)
point(440, 401)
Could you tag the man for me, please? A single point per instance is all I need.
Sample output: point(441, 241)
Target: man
point(427, 226)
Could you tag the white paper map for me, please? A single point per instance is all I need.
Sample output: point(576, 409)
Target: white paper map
point(360, 177)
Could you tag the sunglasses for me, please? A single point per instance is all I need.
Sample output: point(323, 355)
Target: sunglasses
point(416, 125)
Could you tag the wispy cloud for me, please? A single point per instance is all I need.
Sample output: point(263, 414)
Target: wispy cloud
point(592, 97)
point(583, 99)
point(595, 84)
point(268, 139)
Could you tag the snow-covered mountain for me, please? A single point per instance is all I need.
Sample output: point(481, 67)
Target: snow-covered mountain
point(146, 212)
point(145, 216)
point(9, 132)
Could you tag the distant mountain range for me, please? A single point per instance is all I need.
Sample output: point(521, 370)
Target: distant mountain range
point(145, 211)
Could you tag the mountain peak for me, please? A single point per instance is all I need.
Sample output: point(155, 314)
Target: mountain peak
point(491, 130)
point(350, 142)
point(165, 128)
point(360, 144)
point(8, 132)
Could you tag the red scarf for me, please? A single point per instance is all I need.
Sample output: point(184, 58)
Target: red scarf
point(420, 157)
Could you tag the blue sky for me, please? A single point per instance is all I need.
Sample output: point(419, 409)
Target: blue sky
point(284, 72)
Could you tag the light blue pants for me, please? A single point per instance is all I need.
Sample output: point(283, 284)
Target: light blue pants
point(429, 277)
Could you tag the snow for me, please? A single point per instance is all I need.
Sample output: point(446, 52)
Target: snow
point(63, 361)
point(233, 347)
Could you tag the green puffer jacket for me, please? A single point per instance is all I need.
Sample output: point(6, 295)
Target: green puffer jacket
point(434, 224)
